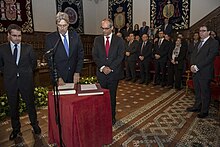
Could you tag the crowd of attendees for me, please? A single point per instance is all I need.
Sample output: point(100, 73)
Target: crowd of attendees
point(159, 51)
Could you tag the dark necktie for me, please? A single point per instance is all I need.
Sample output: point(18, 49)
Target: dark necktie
point(160, 42)
point(200, 45)
point(107, 46)
point(142, 47)
point(66, 45)
point(15, 52)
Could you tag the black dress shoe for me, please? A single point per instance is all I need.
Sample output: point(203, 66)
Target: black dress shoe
point(163, 85)
point(113, 121)
point(202, 115)
point(127, 79)
point(141, 82)
point(133, 80)
point(37, 129)
point(155, 84)
point(192, 109)
point(14, 134)
point(170, 87)
point(146, 83)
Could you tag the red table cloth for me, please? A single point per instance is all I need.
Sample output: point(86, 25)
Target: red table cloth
point(86, 120)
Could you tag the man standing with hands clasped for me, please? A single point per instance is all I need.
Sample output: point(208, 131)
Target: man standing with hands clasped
point(17, 62)
point(108, 54)
point(202, 67)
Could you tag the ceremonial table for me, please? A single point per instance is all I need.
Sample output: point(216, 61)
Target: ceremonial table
point(86, 121)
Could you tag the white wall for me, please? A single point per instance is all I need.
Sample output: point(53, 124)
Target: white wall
point(200, 8)
point(44, 12)
point(89, 10)
point(141, 12)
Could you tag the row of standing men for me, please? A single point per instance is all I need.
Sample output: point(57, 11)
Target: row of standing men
point(163, 52)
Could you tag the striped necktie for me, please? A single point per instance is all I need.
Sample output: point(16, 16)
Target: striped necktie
point(200, 45)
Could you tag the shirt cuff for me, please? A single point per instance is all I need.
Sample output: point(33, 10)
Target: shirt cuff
point(101, 69)
point(196, 68)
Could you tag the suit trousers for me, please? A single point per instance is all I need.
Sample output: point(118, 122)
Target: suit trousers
point(112, 85)
point(144, 70)
point(27, 95)
point(160, 72)
point(131, 69)
point(174, 73)
point(202, 93)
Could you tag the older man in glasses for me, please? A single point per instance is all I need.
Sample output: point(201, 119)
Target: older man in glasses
point(108, 54)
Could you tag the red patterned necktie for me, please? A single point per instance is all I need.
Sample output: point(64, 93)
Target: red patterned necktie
point(107, 45)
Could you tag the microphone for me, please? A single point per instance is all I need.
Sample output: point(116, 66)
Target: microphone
point(53, 49)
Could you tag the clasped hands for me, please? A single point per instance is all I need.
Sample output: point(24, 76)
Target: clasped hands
point(193, 69)
point(106, 70)
point(172, 61)
point(141, 58)
point(127, 53)
point(157, 56)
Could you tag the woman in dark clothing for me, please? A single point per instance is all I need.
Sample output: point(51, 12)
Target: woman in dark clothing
point(176, 64)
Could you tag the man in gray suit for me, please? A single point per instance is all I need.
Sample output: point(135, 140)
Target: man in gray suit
point(108, 54)
point(202, 67)
point(68, 50)
point(17, 62)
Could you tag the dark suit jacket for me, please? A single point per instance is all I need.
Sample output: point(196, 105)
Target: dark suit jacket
point(168, 29)
point(65, 65)
point(27, 63)
point(162, 50)
point(191, 47)
point(125, 32)
point(204, 59)
point(114, 59)
point(146, 51)
point(132, 48)
point(181, 57)
point(144, 30)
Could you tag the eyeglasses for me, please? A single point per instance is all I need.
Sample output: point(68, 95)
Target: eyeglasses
point(202, 30)
point(16, 35)
point(104, 28)
point(62, 26)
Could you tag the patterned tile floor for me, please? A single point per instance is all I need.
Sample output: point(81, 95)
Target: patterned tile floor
point(146, 116)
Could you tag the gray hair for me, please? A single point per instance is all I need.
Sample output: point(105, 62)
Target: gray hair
point(62, 16)
point(109, 20)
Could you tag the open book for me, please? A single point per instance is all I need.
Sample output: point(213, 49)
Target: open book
point(68, 88)
point(89, 89)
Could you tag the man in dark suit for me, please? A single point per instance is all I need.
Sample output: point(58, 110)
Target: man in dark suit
point(17, 62)
point(192, 46)
point(131, 58)
point(202, 67)
point(160, 54)
point(68, 50)
point(145, 56)
point(108, 54)
point(126, 31)
point(144, 29)
point(167, 27)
